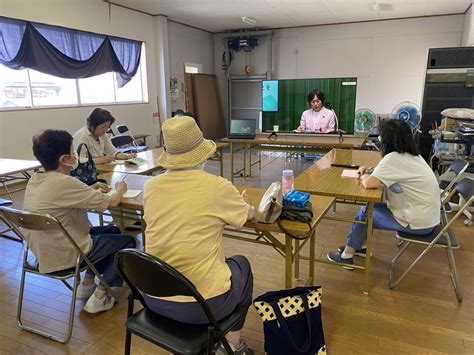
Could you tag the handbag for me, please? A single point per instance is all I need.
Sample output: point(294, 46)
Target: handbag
point(271, 204)
point(292, 321)
point(85, 170)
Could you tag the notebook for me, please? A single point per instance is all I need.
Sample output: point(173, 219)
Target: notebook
point(244, 129)
point(128, 194)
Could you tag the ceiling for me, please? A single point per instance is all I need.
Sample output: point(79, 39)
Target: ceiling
point(222, 15)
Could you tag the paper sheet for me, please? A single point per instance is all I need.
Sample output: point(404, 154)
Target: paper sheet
point(128, 194)
point(350, 173)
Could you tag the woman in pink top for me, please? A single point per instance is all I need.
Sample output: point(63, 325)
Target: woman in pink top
point(317, 118)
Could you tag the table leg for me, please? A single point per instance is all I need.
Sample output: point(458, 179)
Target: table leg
point(250, 162)
point(288, 261)
point(122, 221)
point(143, 230)
point(312, 251)
point(297, 259)
point(370, 216)
point(221, 159)
point(244, 173)
point(231, 162)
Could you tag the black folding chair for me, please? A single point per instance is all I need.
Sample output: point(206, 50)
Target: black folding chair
point(124, 144)
point(123, 130)
point(22, 220)
point(144, 273)
point(442, 236)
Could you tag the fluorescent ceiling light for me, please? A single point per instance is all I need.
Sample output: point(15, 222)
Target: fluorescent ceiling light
point(249, 20)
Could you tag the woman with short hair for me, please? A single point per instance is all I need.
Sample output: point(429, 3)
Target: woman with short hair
point(318, 118)
point(57, 193)
point(94, 135)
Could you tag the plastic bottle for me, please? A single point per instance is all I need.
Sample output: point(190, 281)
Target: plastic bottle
point(287, 181)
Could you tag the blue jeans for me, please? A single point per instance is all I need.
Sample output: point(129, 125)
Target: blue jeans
point(384, 220)
point(107, 241)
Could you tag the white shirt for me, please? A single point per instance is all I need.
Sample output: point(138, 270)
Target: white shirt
point(97, 148)
point(314, 121)
point(411, 188)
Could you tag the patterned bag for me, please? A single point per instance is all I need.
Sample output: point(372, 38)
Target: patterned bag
point(85, 170)
point(292, 321)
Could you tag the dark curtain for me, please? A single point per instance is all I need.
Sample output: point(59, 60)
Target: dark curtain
point(66, 53)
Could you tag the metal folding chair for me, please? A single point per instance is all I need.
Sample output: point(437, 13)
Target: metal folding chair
point(442, 236)
point(145, 274)
point(9, 228)
point(23, 220)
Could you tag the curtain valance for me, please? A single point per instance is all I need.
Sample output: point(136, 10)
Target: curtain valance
point(66, 53)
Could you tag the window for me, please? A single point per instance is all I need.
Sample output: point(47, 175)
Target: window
point(192, 68)
point(28, 88)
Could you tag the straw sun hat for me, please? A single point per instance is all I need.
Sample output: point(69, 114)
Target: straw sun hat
point(185, 145)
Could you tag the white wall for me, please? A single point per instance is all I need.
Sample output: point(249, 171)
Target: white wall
point(17, 127)
point(468, 29)
point(188, 45)
point(388, 57)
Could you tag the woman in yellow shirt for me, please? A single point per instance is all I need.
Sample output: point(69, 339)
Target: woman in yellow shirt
point(186, 210)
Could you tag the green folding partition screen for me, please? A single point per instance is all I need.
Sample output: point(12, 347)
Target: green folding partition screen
point(284, 101)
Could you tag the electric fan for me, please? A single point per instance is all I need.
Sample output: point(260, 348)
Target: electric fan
point(364, 120)
point(408, 112)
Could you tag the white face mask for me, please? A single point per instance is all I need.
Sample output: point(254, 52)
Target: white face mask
point(76, 162)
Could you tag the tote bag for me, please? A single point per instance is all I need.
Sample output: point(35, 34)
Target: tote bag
point(292, 321)
point(85, 170)
point(271, 204)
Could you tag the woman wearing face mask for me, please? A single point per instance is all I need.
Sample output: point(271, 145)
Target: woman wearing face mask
point(317, 118)
point(56, 193)
point(93, 134)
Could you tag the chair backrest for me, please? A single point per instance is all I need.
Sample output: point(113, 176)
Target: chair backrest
point(457, 167)
point(29, 220)
point(120, 141)
point(465, 188)
point(121, 128)
point(36, 222)
point(145, 273)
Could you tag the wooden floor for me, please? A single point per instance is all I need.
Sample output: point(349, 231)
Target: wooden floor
point(420, 316)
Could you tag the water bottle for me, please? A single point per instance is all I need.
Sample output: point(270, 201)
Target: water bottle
point(287, 181)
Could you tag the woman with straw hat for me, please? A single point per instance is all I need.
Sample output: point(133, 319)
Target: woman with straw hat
point(186, 210)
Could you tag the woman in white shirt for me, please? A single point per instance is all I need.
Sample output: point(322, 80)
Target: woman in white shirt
point(318, 118)
point(411, 188)
point(93, 134)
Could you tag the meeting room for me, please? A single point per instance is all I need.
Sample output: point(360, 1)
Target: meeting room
point(248, 177)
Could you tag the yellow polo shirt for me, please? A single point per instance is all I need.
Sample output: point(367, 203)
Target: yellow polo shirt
point(185, 214)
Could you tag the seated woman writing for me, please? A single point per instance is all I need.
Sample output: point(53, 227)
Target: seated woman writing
point(93, 134)
point(411, 189)
point(317, 119)
point(56, 193)
point(186, 210)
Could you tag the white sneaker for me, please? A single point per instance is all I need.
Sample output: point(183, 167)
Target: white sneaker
point(85, 291)
point(96, 305)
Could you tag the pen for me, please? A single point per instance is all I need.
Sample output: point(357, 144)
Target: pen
point(123, 179)
point(346, 166)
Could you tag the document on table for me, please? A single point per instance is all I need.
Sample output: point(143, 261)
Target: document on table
point(350, 173)
point(128, 194)
point(134, 161)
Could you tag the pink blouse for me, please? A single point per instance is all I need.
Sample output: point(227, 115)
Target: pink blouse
point(321, 121)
